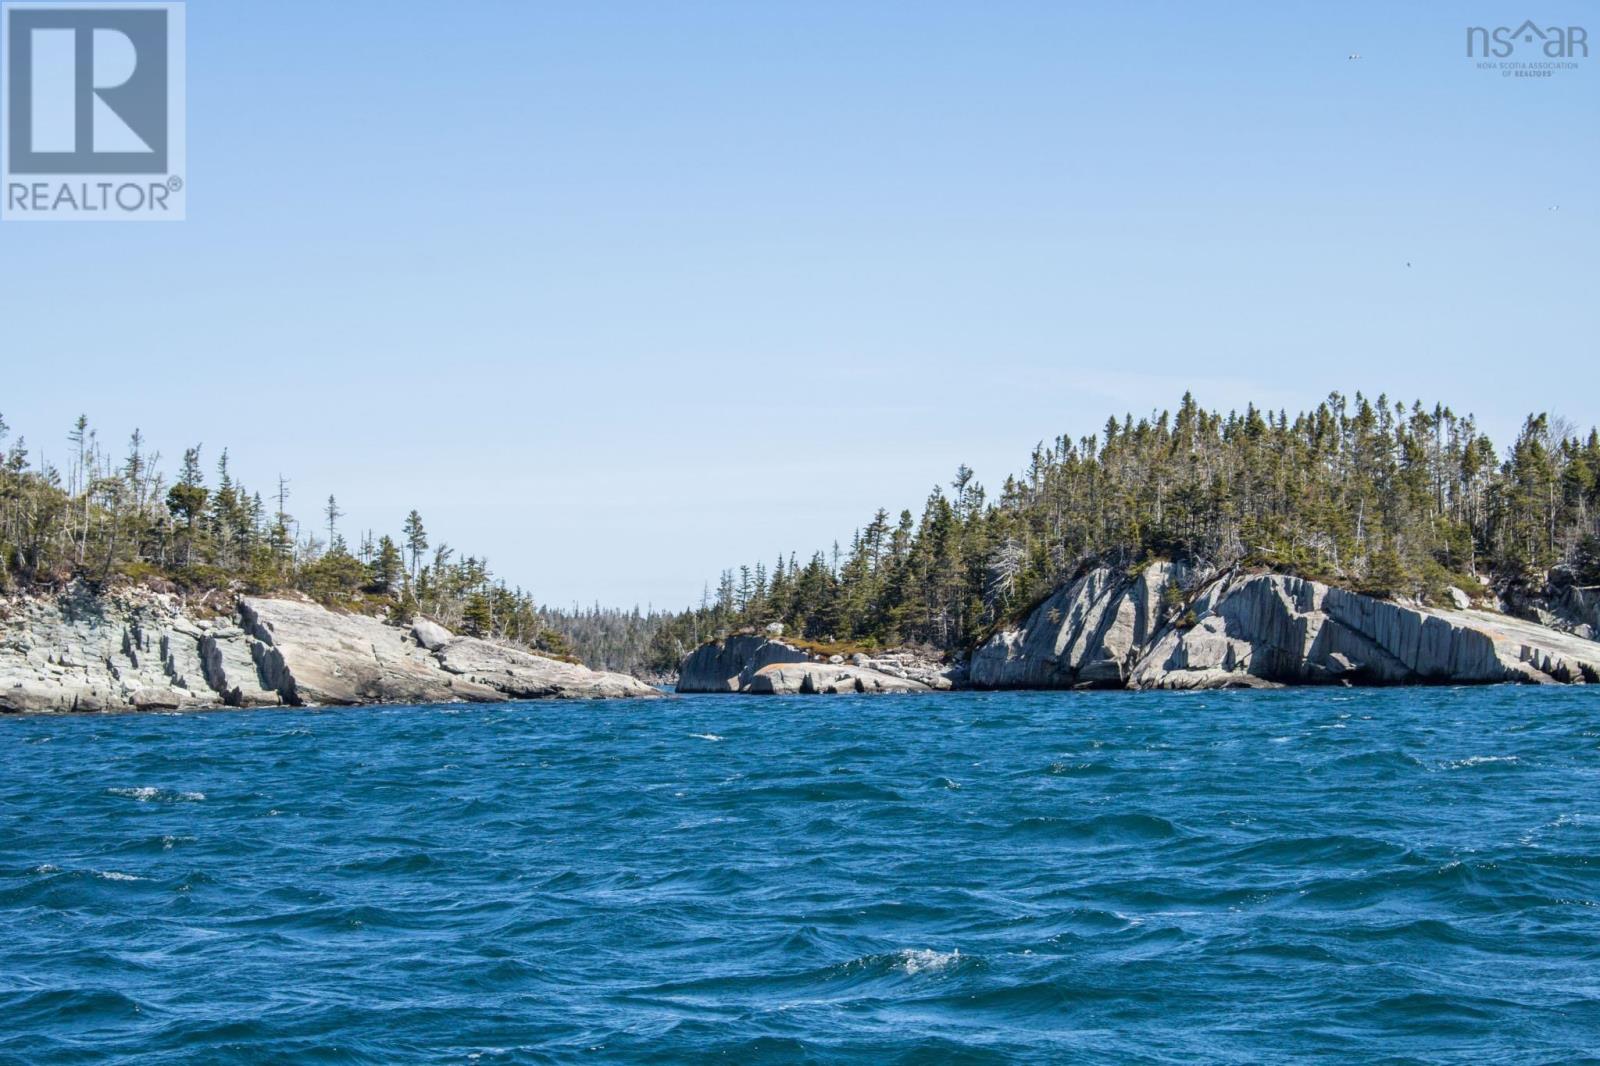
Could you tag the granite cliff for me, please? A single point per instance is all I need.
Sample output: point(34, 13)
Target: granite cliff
point(137, 650)
point(1165, 628)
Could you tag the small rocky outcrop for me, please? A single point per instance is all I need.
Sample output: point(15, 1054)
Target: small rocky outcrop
point(138, 650)
point(908, 665)
point(1087, 634)
point(479, 665)
point(729, 665)
point(765, 665)
point(805, 679)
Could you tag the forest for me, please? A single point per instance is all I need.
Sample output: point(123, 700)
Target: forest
point(1389, 499)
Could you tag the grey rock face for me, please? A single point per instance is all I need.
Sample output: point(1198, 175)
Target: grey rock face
point(1085, 635)
point(1579, 612)
point(1266, 629)
point(231, 662)
point(1272, 629)
point(479, 665)
point(729, 666)
point(138, 651)
point(78, 652)
point(313, 655)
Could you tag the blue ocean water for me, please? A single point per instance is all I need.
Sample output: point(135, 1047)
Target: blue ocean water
point(1262, 876)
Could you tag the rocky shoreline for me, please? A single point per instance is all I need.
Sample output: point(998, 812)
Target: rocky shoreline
point(137, 650)
point(1163, 627)
point(1167, 627)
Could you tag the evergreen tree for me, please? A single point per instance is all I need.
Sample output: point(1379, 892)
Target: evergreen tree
point(416, 541)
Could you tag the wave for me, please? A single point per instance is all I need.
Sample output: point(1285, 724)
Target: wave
point(1107, 828)
point(1318, 851)
point(1390, 759)
point(1064, 768)
point(925, 960)
point(148, 794)
point(1483, 760)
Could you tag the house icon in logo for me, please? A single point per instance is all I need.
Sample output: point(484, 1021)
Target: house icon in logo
point(1526, 31)
point(1556, 42)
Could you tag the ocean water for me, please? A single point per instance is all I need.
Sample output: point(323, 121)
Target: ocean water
point(1409, 875)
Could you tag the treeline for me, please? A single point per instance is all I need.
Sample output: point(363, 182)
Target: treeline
point(610, 638)
point(104, 518)
point(1369, 494)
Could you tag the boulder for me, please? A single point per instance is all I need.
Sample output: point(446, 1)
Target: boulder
point(430, 634)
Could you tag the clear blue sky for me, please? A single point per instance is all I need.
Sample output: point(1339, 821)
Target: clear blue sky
point(619, 294)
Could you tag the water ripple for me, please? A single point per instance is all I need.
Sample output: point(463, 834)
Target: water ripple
point(964, 877)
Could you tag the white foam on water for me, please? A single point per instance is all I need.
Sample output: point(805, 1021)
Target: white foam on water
point(47, 868)
point(1483, 760)
point(113, 875)
point(705, 736)
point(146, 793)
point(926, 960)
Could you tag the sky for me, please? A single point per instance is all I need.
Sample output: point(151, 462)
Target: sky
point(619, 294)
